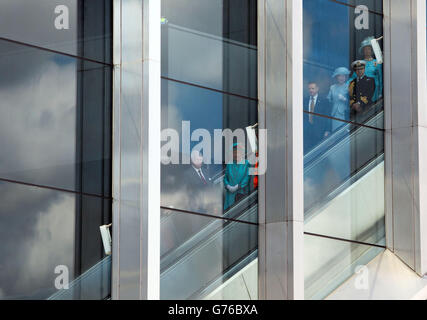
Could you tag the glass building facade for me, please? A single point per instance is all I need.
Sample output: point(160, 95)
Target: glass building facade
point(343, 147)
point(56, 168)
point(94, 91)
point(209, 81)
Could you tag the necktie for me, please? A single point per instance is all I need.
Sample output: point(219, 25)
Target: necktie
point(310, 116)
point(201, 176)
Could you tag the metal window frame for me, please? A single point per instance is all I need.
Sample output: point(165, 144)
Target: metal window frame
point(281, 201)
point(406, 130)
point(136, 196)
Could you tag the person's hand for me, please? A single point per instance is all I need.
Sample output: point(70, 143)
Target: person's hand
point(233, 189)
point(230, 189)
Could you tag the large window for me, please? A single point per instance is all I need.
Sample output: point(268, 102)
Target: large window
point(209, 205)
point(343, 139)
point(55, 167)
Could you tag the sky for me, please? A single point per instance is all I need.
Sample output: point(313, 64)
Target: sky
point(38, 99)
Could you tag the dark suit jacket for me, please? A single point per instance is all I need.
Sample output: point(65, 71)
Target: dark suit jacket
point(193, 181)
point(314, 132)
point(202, 197)
point(183, 189)
point(361, 92)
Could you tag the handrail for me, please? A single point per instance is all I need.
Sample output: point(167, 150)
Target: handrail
point(237, 210)
point(343, 132)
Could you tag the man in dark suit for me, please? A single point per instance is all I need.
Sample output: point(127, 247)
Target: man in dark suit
point(361, 90)
point(196, 175)
point(316, 127)
point(200, 192)
point(184, 186)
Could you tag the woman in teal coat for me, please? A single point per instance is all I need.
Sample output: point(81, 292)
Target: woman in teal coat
point(236, 179)
point(372, 69)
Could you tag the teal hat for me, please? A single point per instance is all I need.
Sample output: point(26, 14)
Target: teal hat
point(341, 71)
point(365, 43)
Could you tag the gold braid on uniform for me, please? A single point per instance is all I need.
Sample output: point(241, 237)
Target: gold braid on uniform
point(351, 91)
point(364, 99)
point(351, 88)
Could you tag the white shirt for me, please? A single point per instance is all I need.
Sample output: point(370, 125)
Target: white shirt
point(358, 79)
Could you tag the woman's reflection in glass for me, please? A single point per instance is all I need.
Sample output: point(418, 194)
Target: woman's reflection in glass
point(338, 97)
point(236, 179)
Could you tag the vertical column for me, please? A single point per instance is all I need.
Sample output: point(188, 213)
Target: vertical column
point(136, 150)
point(150, 140)
point(281, 236)
point(406, 130)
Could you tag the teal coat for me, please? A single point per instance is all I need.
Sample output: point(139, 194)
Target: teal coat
point(236, 174)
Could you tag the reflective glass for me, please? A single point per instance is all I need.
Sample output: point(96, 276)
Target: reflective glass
point(47, 233)
point(335, 36)
point(56, 115)
point(344, 184)
point(212, 45)
point(209, 71)
point(373, 5)
point(328, 268)
point(183, 187)
point(207, 258)
point(343, 119)
point(76, 27)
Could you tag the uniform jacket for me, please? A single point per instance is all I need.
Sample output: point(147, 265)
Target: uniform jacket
point(362, 91)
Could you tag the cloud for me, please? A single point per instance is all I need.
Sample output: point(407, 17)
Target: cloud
point(38, 125)
point(33, 22)
point(36, 232)
point(38, 145)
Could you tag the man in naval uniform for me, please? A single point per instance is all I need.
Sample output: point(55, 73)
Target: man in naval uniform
point(361, 90)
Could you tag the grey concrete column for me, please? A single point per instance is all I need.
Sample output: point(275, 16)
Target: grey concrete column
point(281, 213)
point(136, 150)
point(406, 130)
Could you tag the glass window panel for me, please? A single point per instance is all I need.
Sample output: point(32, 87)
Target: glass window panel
point(200, 257)
point(344, 184)
point(322, 132)
point(44, 23)
point(335, 35)
point(343, 161)
point(328, 268)
point(182, 186)
point(373, 5)
point(212, 45)
point(41, 229)
point(56, 119)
